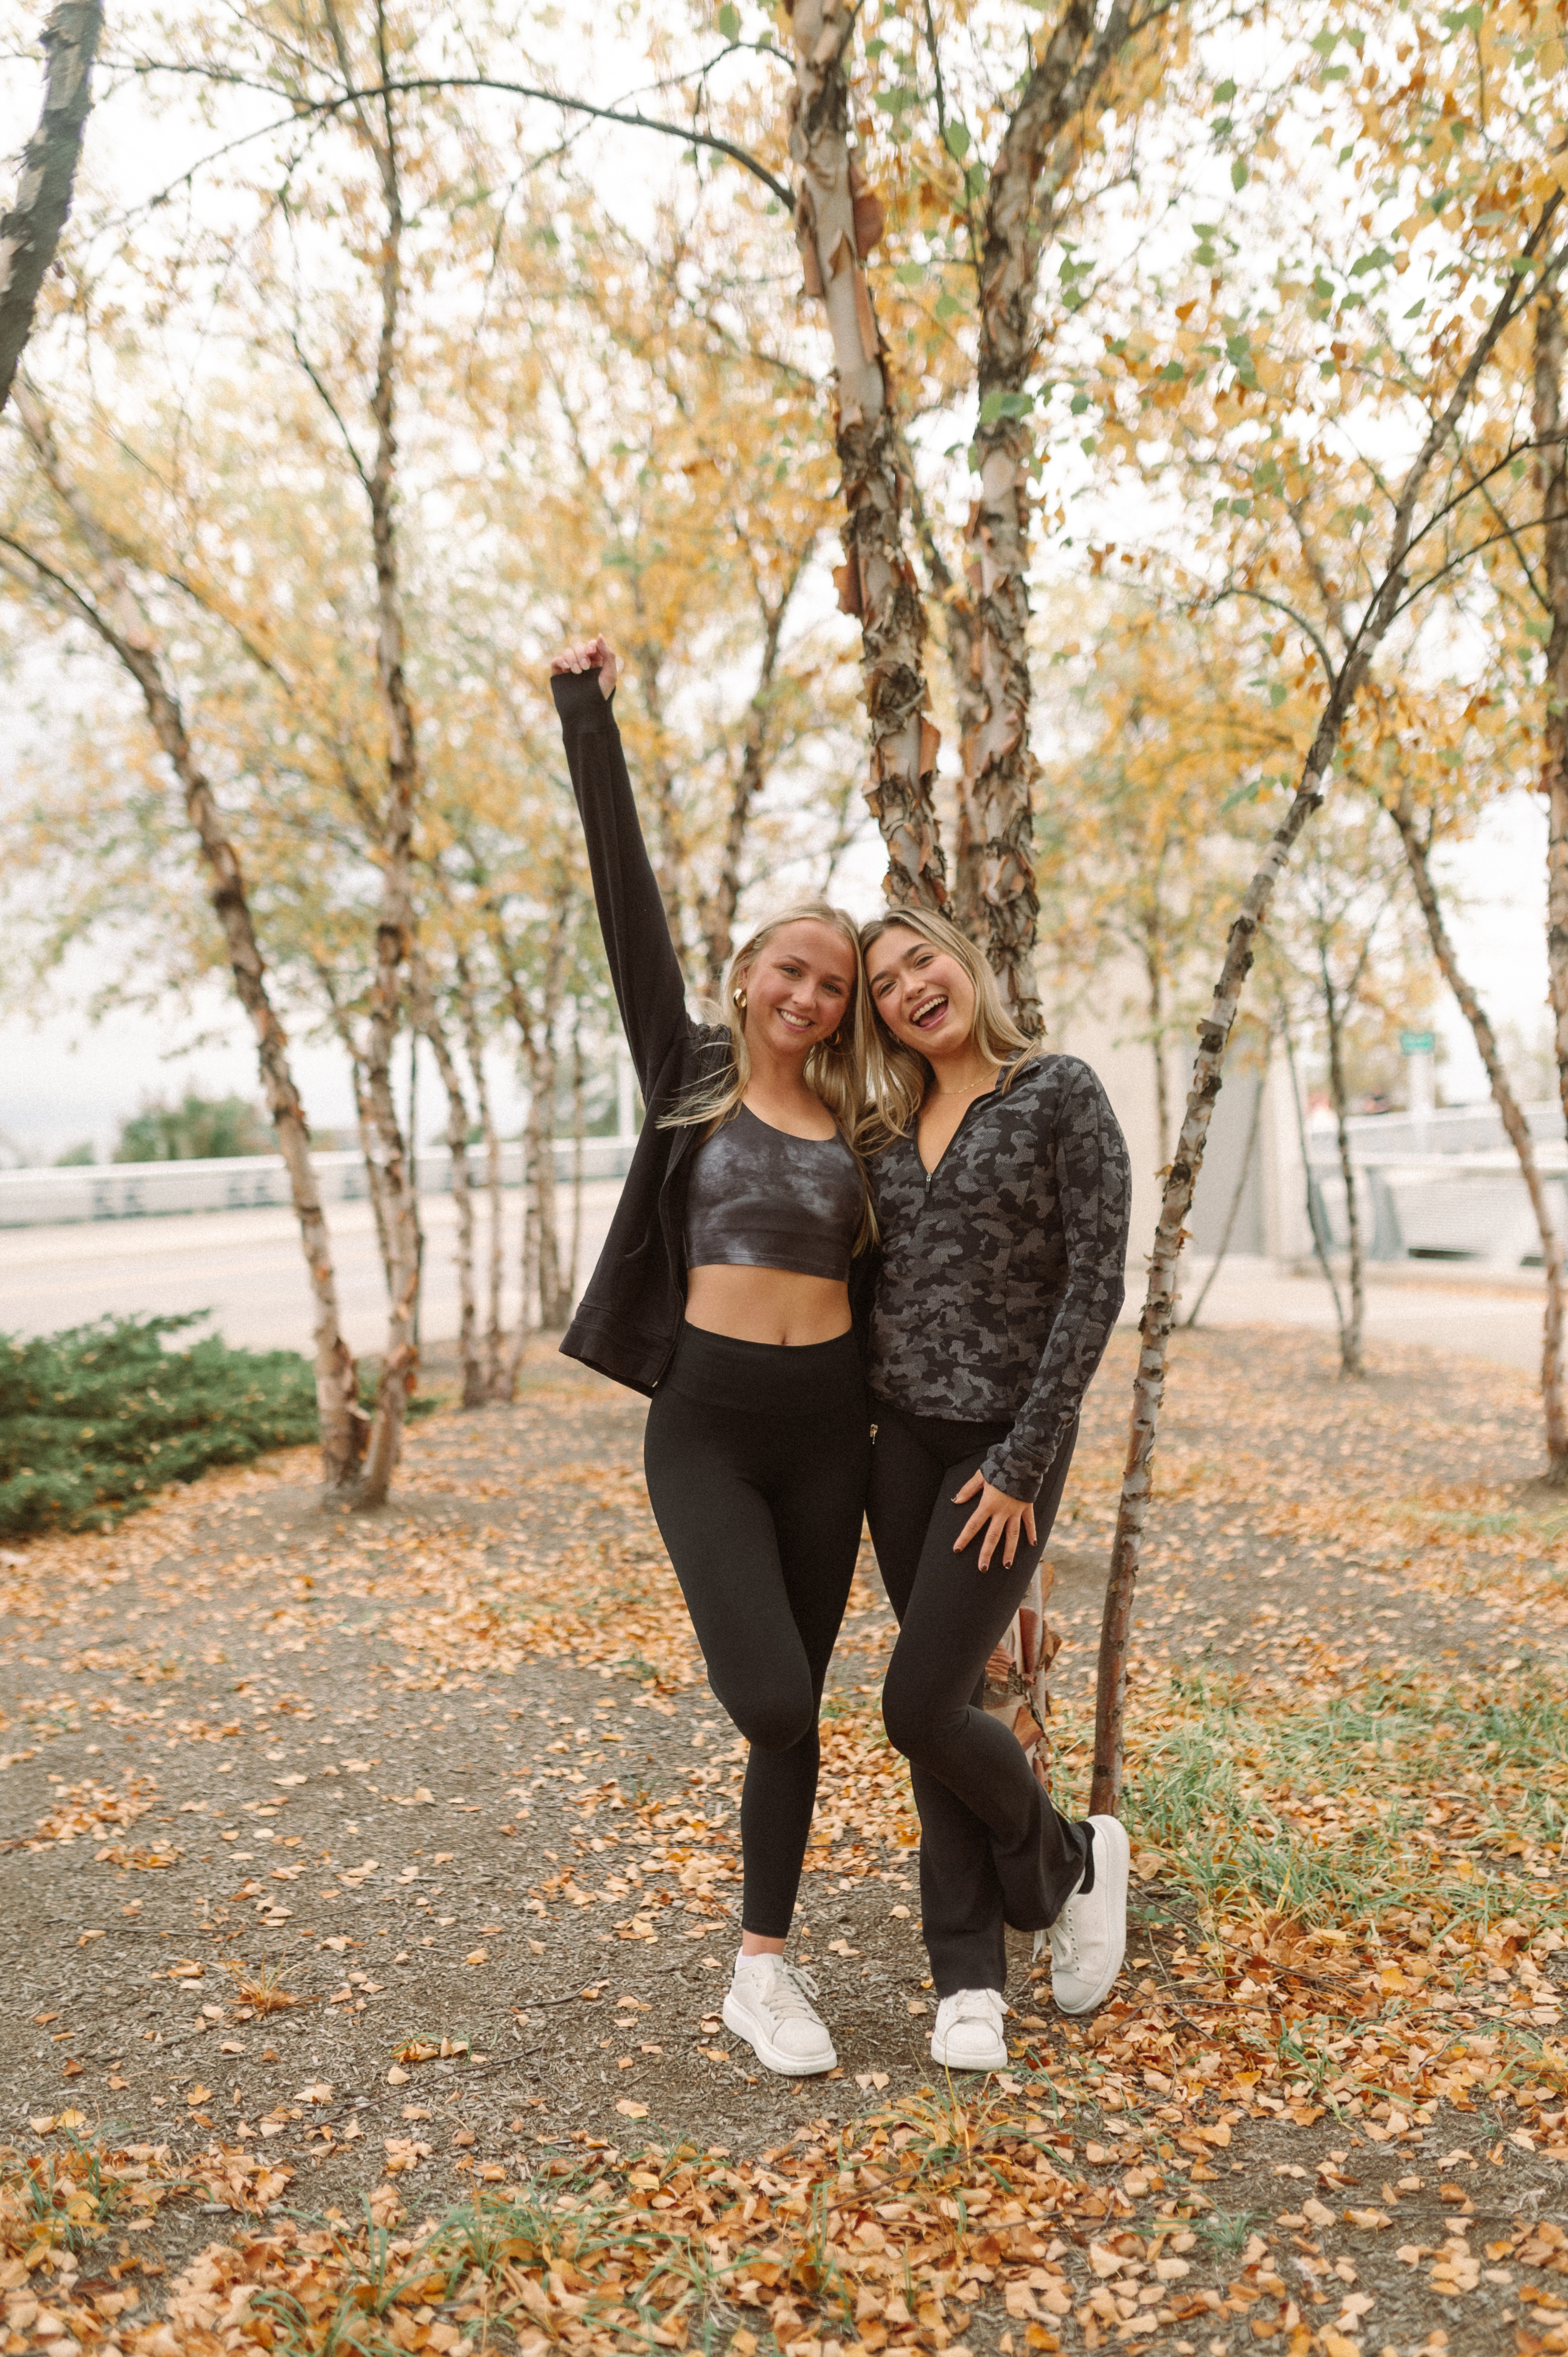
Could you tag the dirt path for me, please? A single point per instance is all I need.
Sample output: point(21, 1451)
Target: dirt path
point(448, 1780)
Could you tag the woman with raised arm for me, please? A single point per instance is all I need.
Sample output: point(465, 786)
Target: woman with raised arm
point(1001, 1185)
point(723, 1293)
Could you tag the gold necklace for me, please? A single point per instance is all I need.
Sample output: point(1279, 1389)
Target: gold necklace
point(975, 1091)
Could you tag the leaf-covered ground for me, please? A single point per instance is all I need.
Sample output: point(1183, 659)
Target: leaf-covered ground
point(370, 1885)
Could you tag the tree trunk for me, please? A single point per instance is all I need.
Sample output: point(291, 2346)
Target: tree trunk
point(555, 1302)
point(1159, 1304)
point(30, 231)
point(718, 915)
point(527, 1319)
point(1213, 1036)
point(1351, 1361)
point(989, 624)
point(1313, 1226)
point(129, 636)
point(1248, 1151)
point(838, 221)
point(575, 1262)
point(343, 1025)
point(1154, 968)
point(462, 1193)
point(1553, 1374)
point(1549, 345)
point(541, 1302)
point(394, 919)
point(491, 1368)
point(669, 852)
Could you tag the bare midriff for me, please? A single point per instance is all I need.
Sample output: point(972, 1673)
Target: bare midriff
point(767, 1304)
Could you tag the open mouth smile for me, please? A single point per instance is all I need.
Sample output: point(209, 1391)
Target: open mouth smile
point(929, 1013)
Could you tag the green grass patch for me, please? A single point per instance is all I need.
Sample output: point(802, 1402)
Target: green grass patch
point(94, 1420)
point(1326, 1814)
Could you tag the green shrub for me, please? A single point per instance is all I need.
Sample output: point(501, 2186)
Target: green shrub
point(93, 1420)
point(199, 1129)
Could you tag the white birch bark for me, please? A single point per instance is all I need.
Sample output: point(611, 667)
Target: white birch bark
point(838, 221)
point(30, 231)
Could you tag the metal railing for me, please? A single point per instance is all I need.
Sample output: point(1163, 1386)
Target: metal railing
point(249, 1182)
point(1444, 1186)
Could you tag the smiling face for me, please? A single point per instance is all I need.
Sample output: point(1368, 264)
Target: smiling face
point(799, 987)
point(920, 992)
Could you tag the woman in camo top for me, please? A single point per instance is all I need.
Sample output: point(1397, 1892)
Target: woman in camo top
point(1000, 1184)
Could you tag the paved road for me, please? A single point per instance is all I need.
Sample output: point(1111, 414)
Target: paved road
point(245, 1267)
point(1470, 1321)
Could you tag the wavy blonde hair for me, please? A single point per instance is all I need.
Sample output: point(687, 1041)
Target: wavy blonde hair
point(834, 1070)
point(898, 1077)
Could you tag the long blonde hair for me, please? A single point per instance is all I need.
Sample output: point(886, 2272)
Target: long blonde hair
point(898, 1077)
point(834, 1069)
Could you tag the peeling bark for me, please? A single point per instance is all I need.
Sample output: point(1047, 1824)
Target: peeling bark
point(395, 918)
point(1553, 1374)
point(126, 629)
point(30, 231)
point(1549, 350)
point(989, 620)
point(838, 221)
point(1213, 1037)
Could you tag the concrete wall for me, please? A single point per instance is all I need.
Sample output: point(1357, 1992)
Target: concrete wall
point(1271, 1219)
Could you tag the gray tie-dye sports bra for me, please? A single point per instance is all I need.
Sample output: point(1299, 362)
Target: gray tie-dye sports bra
point(761, 1198)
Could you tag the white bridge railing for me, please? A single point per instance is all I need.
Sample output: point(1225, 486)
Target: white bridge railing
point(1442, 1186)
point(249, 1182)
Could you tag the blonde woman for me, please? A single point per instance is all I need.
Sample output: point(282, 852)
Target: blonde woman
point(1001, 1185)
point(723, 1292)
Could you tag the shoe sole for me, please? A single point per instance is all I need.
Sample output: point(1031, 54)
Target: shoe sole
point(787, 2066)
point(947, 2063)
point(1113, 1864)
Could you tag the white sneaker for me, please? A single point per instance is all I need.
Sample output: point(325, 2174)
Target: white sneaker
point(768, 2003)
point(1088, 1939)
point(968, 2035)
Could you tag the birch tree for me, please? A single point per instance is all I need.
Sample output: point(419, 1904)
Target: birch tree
point(30, 229)
point(839, 222)
point(81, 575)
point(1393, 529)
point(1417, 833)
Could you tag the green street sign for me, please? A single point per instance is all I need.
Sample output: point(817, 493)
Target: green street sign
point(1417, 1043)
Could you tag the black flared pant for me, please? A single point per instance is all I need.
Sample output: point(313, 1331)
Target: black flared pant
point(993, 1849)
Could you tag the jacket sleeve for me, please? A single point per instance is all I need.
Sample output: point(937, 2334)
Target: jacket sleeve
point(1094, 1188)
point(644, 970)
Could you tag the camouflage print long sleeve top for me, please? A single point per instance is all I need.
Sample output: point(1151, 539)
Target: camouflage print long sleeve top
point(1003, 1271)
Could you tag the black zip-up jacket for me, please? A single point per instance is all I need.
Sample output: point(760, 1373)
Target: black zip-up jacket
point(1003, 1271)
point(629, 1318)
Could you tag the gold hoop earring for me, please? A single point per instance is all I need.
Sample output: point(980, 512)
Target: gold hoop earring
point(738, 996)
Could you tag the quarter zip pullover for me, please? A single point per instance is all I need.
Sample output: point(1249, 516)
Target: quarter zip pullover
point(1003, 1268)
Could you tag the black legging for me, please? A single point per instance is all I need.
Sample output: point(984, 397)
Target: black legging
point(756, 1458)
point(993, 1850)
